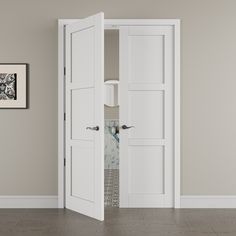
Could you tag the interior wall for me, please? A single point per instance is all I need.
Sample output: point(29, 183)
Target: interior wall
point(208, 54)
point(111, 69)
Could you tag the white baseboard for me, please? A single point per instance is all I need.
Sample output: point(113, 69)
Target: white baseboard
point(28, 201)
point(207, 201)
point(186, 201)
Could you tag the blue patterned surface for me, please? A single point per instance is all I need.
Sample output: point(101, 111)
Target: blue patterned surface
point(111, 146)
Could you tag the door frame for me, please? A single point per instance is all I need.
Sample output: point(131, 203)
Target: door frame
point(114, 24)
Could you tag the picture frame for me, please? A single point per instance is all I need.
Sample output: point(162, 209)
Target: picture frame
point(13, 85)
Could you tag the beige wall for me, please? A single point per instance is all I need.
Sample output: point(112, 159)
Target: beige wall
point(29, 137)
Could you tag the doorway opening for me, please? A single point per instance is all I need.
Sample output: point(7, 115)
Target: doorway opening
point(111, 116)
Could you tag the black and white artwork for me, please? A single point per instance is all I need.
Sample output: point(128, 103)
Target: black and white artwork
point(8, 83)
point(13, 86)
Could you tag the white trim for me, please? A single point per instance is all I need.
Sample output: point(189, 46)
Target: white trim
point(61, 109)
point(114, 24)
point(28, 201)
point(177, 168)
point(208, 201)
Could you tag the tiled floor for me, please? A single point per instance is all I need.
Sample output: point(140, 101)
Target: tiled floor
point(119, 222)
point(111, 188)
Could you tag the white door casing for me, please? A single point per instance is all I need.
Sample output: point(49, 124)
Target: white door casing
point(62, 145)
point(147, 103)
point(85, 114)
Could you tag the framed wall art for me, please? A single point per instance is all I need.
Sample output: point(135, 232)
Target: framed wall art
point(13, 85)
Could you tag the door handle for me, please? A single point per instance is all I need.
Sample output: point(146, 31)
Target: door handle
point(95, 128)
point(126, 127)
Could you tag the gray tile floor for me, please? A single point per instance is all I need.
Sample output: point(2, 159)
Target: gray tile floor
point(111, 188)
point(119, 222)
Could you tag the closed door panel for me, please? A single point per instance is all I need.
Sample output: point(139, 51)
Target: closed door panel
point(146, 108)
point(85, 116)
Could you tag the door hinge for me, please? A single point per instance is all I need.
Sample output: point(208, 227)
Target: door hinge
point(64, 116)
point(64, 161)
point(64, 71)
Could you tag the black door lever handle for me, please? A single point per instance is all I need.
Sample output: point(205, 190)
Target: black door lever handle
point(96, 128)
point(126, 127)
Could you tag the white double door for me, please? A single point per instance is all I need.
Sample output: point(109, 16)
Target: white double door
point(146, 103)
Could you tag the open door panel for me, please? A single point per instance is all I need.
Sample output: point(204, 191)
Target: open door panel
point(85, 116)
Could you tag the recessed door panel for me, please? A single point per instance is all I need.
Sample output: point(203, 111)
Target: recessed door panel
point(81, 113)
point(82, 57)
point(146, 165)
point(82, 176)
point(146, 114)
point(147, 59)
